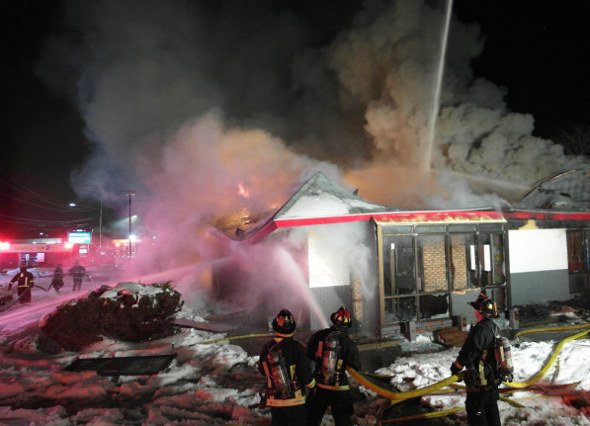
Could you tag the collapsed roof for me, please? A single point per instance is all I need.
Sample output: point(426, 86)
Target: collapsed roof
point(569, 190)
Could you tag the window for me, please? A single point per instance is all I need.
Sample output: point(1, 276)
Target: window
point(421, 267)
point(577, 251)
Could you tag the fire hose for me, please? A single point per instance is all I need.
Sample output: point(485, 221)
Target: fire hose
point(396, 397)
point(400, 396)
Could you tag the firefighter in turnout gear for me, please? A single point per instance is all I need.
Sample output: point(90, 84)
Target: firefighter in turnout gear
point(288, 373)
point(333, 350)
point(24, 281)
point(57, 281)
point(477, 357)
point(77, 272)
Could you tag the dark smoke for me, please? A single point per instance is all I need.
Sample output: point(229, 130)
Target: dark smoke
point(209, 107)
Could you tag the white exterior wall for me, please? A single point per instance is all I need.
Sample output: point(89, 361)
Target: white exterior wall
point(533, 250)
point(538, 266)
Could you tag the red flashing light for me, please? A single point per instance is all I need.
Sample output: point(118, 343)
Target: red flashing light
point(4, 245)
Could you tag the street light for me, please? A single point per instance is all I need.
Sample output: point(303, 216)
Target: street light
point(73, 204)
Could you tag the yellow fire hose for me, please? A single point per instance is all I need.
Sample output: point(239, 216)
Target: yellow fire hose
point(549, 364)
point(444, 413)
point(549, 329)
point(399, 396)
point(403, 395)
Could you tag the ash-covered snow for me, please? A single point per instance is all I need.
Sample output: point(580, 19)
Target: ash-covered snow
point(214, 381)
point(134, 288)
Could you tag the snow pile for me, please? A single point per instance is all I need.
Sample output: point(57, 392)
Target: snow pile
point(545, 405)
point(213, 381)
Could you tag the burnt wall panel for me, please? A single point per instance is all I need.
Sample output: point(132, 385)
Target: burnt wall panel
point(539, 287)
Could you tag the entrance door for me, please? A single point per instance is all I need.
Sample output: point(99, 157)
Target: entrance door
point(400, 280)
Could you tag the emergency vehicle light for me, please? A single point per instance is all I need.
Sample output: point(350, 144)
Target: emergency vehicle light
point(4, 245)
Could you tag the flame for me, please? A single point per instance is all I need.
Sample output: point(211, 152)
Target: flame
point(243, 191)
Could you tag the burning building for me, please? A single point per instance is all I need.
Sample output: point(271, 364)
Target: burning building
point(327, 247)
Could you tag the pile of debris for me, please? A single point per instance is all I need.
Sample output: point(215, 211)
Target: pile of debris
point(555, 311)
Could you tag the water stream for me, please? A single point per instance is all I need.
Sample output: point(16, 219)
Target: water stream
point(437, 90)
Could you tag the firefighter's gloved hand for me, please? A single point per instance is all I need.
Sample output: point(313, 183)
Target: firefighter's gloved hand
point(454, 369)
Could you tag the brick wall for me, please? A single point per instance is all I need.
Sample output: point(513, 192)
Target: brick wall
point(458, 262)
point(434, 263)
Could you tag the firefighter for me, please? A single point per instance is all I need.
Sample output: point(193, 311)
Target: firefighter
point(57, 281)
point(288, 373)
point(333, 350)
point(477, 357)
point(77, 271)
point(24, 283)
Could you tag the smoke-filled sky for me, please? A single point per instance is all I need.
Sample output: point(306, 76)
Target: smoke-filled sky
point(208, 107)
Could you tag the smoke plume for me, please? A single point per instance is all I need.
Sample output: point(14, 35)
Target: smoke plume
point(206, 108)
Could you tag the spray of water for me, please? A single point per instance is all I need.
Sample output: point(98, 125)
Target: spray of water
point(184, 115)
point(511, 191)
point(24, 315)
point(292, 269)
point(437, 89)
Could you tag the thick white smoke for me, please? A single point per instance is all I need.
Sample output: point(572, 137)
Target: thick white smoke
point(210, 107)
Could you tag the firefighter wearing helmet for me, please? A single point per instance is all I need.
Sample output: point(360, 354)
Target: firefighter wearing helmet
point(288, 373)
point(77, 271)
point(477, 357)
point(24, 281)
point(333, 350)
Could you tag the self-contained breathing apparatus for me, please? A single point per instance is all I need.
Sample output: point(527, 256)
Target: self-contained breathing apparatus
point(279, 375)
point(499, 360)
point(280, 385)
point(329, 360)
point(503, 358)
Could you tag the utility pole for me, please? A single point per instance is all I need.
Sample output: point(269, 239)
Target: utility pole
point(130, 193)
point(100, 225)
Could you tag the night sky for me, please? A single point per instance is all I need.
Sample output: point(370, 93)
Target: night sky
point(536, 49)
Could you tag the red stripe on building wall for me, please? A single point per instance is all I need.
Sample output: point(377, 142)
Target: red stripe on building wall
point(546, 215)
point(419, 217)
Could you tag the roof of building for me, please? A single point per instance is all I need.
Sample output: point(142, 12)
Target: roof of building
point(321, 201)
point(320, 197)
point(566, 191)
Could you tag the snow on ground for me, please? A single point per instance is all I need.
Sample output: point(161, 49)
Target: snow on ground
point(214, 381)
